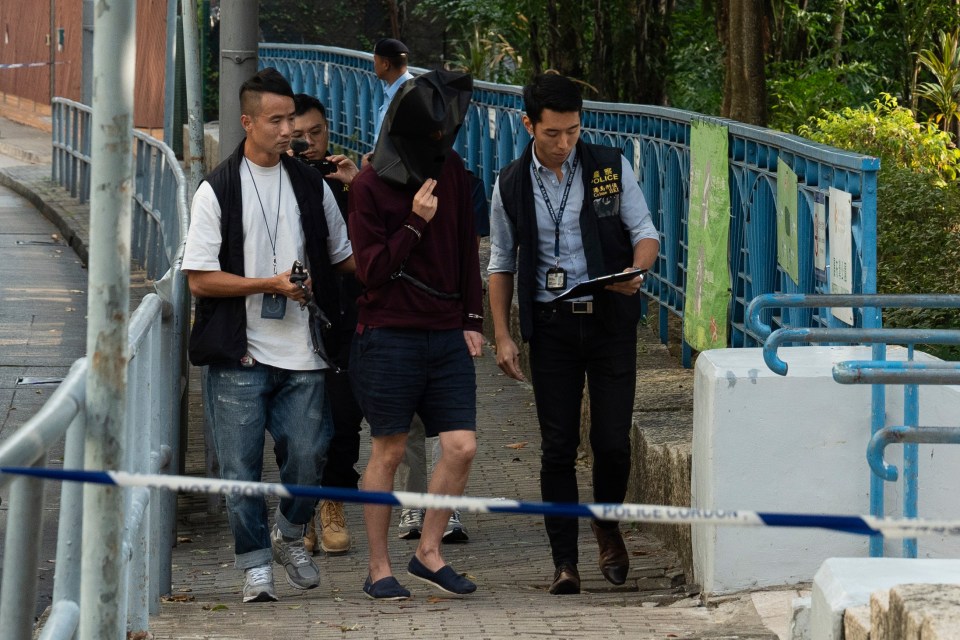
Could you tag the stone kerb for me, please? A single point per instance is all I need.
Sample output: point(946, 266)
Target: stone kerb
point(907, 612)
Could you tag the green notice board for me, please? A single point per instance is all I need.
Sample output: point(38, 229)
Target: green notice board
point(708, 228)
point(787, 245)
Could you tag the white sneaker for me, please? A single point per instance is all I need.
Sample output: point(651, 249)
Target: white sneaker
point(411, 523)
point(455, 531)
point(302, 573)
point(258, 584)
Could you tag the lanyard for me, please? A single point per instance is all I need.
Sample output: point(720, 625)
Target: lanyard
point(276, 229)
point(557, 216)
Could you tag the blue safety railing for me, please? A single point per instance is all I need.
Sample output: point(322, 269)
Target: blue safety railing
point(156, 406)
point(657, 140)
point(876, 372)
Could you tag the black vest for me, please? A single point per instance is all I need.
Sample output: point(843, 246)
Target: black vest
point(606, 244)
point(219, 334)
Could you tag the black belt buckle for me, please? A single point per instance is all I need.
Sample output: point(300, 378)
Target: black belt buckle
point(583, 306)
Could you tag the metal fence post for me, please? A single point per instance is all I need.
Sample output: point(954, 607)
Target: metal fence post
point(108, 304)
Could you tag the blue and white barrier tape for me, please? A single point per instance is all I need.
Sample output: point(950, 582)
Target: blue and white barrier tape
point(656, 514)
point(24, 65)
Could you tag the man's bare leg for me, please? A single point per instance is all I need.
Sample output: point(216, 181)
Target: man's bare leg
point(449, 478)
point(385, 455)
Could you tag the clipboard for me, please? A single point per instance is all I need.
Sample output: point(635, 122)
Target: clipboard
point(589, 287)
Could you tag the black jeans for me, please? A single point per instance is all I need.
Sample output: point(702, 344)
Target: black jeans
point(565, 349)
point(344, 449)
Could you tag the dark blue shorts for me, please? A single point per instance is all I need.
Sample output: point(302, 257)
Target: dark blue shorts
point(398, 372)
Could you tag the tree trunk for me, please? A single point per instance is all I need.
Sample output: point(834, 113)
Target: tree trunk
point(745, 94)
point(722, 24)
point(839, 13)
point(394, 12)
point(602, 74)
point(564, 49)
point(536, 59)
point(651, 35)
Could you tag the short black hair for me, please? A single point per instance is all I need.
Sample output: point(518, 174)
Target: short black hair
point(267, 80)
point(551, 91)
point(303, 102)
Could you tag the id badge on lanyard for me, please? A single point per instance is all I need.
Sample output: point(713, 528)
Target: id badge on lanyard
point(556, 275)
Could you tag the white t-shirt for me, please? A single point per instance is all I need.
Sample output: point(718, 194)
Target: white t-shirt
point(271, 226)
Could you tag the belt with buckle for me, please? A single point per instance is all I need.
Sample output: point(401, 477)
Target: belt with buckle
point(578, 307)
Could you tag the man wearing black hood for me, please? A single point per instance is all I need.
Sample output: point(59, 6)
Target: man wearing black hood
point(420, 316)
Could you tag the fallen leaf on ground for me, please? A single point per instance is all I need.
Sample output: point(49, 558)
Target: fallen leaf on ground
point(184, 540)
point(516, 445)
point(436, 599)
point(177, 598)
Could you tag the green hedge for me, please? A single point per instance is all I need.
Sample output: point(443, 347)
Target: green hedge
point(918, 206)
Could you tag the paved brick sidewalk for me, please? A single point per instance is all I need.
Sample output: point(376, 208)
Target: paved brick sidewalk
point(508, 556)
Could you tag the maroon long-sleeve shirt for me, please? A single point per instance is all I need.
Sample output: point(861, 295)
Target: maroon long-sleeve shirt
point(444, 257)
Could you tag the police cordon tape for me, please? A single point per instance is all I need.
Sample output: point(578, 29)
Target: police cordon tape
point(652, 514)
point(24, 65)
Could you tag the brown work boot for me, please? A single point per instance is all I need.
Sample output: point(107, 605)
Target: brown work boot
point(334, 535)
point(310, 536)
point(614, 561)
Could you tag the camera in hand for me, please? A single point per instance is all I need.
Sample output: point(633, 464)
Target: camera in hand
point(299, 276)
point(298, 273)
point(300, 146)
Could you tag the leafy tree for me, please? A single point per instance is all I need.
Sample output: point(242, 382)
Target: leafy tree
point(799, 91)
point(918, 205)
point(944, 64)
point(890, 132)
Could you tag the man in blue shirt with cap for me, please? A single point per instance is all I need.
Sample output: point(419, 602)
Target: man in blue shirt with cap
point(390, 65)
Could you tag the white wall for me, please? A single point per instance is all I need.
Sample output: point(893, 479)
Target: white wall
point(797, 444)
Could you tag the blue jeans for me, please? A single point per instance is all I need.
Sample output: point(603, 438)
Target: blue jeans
point(244, 404)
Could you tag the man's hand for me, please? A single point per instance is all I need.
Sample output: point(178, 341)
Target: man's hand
point(628, 287)
point(280, 284)
point(424, 202)
point(474, 340)
point(508, 358)
point(346, 169)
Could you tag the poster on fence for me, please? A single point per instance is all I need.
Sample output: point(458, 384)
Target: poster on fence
point(841, 250)
point(708, 228)
point(820, 237)
point(787, 245)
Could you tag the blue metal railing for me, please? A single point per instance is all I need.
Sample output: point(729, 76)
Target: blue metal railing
point(156, 396)
point(657, 140)
point(877, 372)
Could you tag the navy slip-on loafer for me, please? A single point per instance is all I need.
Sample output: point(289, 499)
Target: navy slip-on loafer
point(445, 579)
point(385, 589)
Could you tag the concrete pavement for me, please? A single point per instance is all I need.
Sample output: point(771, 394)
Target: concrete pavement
point(508, 556)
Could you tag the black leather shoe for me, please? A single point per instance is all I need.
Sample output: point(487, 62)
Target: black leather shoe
point(614, 561)
point(566, 581)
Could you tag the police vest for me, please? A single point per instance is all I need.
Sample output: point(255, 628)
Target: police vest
point(606, 244)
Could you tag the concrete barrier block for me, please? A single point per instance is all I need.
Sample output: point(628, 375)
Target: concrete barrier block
point(771, 443)
point(841, 583)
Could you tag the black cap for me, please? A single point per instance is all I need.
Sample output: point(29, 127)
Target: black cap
point(389, 48)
